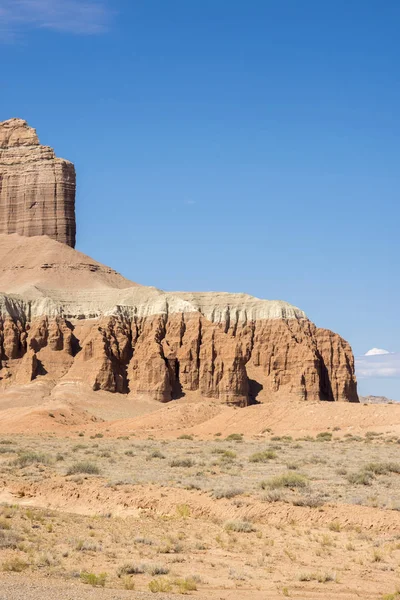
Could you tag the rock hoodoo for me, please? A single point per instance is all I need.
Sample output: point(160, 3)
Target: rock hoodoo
point(37, 189)
point(67, 318)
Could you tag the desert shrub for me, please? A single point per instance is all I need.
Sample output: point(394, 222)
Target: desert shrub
point(382, 468)
point(292, 466)
point(324, 436)
point(239, 526)
point(93, 579)
point(15, 564)
point(236, 575)
point(160, 585)
point(273, 496)
point(377, 556)
point(261, 457)
point(4, 524)
point(87, 468)
point(315, 459)
point(234, 437)
point(9, 540)
point(227, 454)
point(77, 447)
point(170, 547)
point(155, 454)
point(335, 526)
point(192, 485)
point(320, 577)
point(181, 462)
point(394, 596)
point(128, 583)
point(103, 454)
point(185, 585)
point(360, 477)
point(341, 471)
point(157, 569)
point(183, 510)
point(87, 546)
point(131, 569)
point(185, 436)
point(30, 458)
point(309, 500)
point(227, 493)
point(286, 480)
point(143, 540)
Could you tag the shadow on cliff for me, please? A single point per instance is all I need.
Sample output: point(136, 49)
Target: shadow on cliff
point(254, 389)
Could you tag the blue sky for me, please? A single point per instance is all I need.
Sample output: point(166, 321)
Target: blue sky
point(228, 145)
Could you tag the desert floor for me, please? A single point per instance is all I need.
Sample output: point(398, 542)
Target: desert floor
point(199, 499)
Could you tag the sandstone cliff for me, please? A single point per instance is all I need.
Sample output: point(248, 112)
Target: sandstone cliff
point(37, 190)
point(65, 317)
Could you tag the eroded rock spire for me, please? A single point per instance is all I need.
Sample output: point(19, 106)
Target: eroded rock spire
point(37, 189)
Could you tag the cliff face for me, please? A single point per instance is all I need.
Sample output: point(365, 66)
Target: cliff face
point(37, 190)
point(167, 356)
point(66, 317)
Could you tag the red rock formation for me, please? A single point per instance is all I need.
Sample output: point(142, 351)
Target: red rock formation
point(37, 190)
point(166, 357)
point(66, 317)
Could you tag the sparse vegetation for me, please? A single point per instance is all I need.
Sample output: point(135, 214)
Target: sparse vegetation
point(160, 586)
point(286, 480)
point(172, 516)
point(239, 526)
point(227, 493)
point(320, 577)
point(182, 462)
point(93, 579)
point(131, 569)
point(29, 458)
point(261, 457)
point(234, 437)
point(87, 468)
point(15, 564)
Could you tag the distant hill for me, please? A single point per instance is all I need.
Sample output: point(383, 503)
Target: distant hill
point(375, 400)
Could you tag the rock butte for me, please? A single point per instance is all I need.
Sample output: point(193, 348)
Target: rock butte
point(37, 189)
point(66, 318)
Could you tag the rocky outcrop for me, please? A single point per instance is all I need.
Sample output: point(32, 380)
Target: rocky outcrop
point(165, 357)
point(64, 316)
point(37, 189)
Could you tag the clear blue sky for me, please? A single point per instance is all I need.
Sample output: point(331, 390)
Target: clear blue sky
point(238, 145)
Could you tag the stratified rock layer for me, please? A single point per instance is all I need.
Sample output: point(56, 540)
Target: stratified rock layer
point(37, 189)
point(65, 317)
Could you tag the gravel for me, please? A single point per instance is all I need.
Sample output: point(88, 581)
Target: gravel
point(15, 587)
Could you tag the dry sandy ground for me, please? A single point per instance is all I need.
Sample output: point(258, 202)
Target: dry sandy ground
point(229, 518)
point(63, 407)
point(296, 500)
